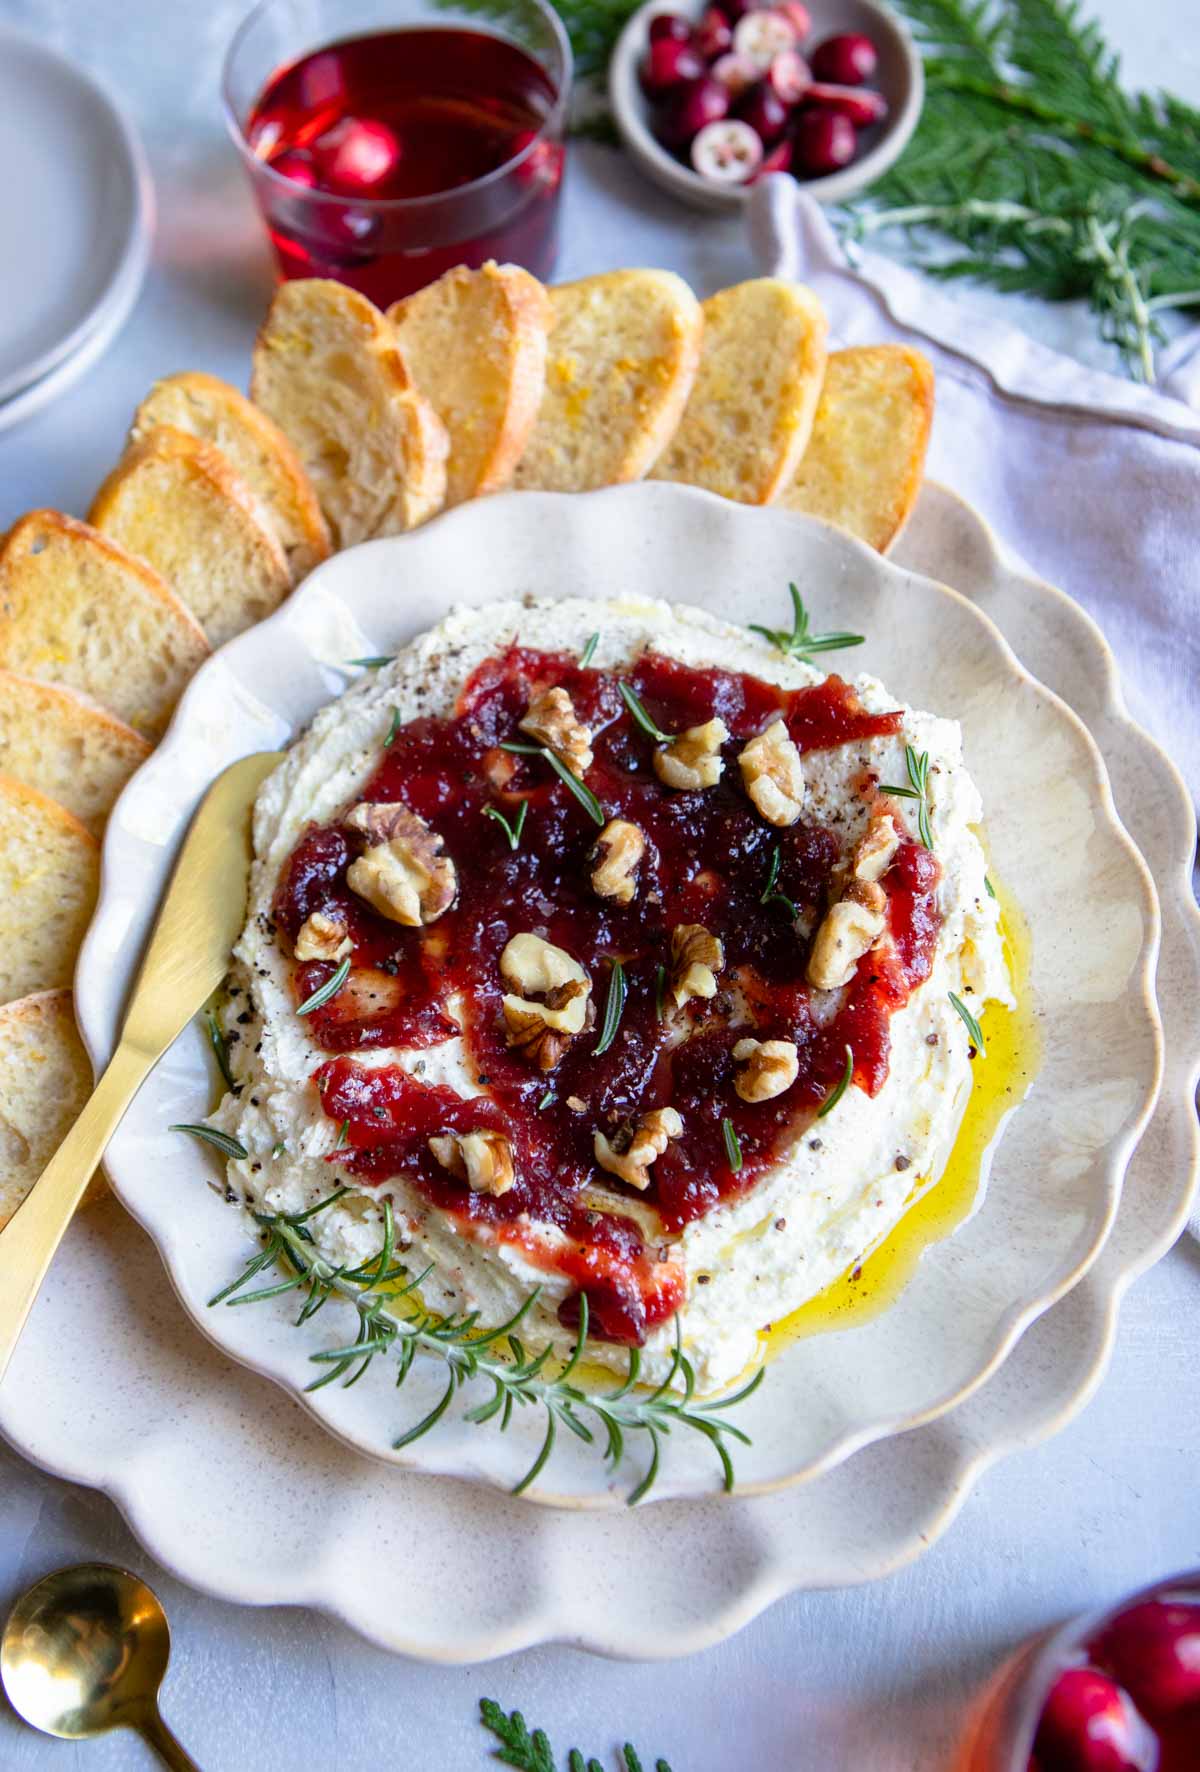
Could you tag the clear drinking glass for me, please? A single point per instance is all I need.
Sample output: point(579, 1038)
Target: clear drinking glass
point(471, 118)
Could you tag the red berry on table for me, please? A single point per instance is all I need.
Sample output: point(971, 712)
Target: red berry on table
point(766, 114)
point(862, 106)
point(788, 76)
point(714, 35)
point(1154, 1650)
point(689, 111)
point(669, 27)
point(825, 141)
point(736, 73)
point(761, 36)
point(798, 17)
point(355, 154)
point(727, 153)
point(1090, 1725)
point(847, 60)
point(778, 160)
point(669, 64)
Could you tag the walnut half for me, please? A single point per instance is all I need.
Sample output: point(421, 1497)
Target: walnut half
point(765, 1068)
point(854, 924)
point(696, 958)
point(322, 938)
point(403, 873)
point(484, 1160)
point(630, 1158)
point(616, 857)
point(551, 719)
point(693, 760)
point(534, 968)
point(773, 774)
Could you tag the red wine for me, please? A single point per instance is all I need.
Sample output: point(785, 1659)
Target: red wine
point(454, 117)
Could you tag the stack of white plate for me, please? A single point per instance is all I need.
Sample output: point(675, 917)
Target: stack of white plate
point(75, 224)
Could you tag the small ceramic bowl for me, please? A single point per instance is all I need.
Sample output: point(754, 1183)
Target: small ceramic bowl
point(899, 77)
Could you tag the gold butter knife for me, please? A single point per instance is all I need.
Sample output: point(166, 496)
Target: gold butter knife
point(187, 957)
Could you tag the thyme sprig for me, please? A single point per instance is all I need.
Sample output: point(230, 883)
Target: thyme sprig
point(392, 1320)
point(578, 787)
point(970, 1023)
point(801, 642)
point(917, 789)
point(770, 893)
point(511, 831)
point(614, 1007)
point(633, 702)
point(533, 1753)
point(325, 992)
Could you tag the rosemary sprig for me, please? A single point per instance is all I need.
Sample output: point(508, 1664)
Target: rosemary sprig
point(770, 894)
point(497, 1357)
point(988, 887)
point(546, 1100)
point(220, 1048)
point(209, 1135)
point(589, 651)
point(969, 1022)
point(326, 991)
point(533, 1753)
point(733, 1146)
point(633, 702)
point(343, 1136)
point(613, 1009)
point(801, 642)
point(278, 1148)
point(578, 787)
point(373, 664)
point(392, 730)
point(918, 789)
point(511, 831)
point(840, 1088)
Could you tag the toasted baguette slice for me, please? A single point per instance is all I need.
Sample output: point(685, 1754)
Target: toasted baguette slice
point(475, 344)
point(747, 423)
point(69, 748)
point(177, 503)
point(865, 459)
point(622, 358)
point(328, 371)
point(257, 450)
point(45, 1079)
point(49, 873)
point(77, 609)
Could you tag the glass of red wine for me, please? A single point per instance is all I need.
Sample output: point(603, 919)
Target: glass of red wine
point(387, 140)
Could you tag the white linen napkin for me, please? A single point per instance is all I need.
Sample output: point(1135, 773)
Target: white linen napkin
point(1092, 480)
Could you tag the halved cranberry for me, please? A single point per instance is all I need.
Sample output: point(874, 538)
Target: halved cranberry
point(355, 154)
point(704, 101)
point(669, 64)
point(727, 153)
point(789, 77)
point(714, 36)
point(862, 106)
point(778, 160)
point(669, 27)
point(737, 73)
point(766, 114)
point(847, 59)
point(761, 36)
point(1154, 1650)
point(297, 166)
point(825, 141)
point(1089, 1724)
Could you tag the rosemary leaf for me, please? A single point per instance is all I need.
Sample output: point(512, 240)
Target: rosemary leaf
point(988, 887)
point(800, 642)
point(589, 651)
point(660, 987)
point(613, 1008)
point(278, 1149)
point(633, 702)
point(221, 1053)
point(579, 788)
point(769, 894)
point(324, 993)
point(373, 664)
point(546, 1100)
point(209, 1134)
point(839, 1089)
point(733, 1148)
point(511, 831)
point(969, 1022)
point(392, 730)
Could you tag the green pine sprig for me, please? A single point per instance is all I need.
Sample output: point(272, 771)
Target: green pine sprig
point(533, 1753)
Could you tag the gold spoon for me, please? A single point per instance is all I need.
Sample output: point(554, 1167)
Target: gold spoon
point(187, 957)
point(84, 1652)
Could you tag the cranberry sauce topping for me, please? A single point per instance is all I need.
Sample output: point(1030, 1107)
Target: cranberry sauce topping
point(707, 860)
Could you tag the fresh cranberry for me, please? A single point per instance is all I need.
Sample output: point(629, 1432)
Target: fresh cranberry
point(1089, 1724)
point(355, 155)
point(670, 27)
point(798, 17)
point(736, 73)
point(847, 60)
point(1154, 1650)
point(825, 141)
point(766, 114)
point(862, 106)
point(669, 64)
point(704, 101)
point(297, 166)
point(713, 34)
point(778, 160)
point(788, 77)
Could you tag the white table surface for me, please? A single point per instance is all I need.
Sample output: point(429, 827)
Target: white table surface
point(874, 1679)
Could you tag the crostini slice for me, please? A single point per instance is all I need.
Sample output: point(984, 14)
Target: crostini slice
point(64, 745)
point(49, 875)
point(45, 1079)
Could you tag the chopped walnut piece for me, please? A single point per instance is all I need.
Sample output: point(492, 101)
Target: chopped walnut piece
point(484, 1160)
point(876, 848)
point(322, 938)
point(773, 774)
point(696, 958)
point(550, 718)
point(853, 925)
point(616, 857)
point(534, 968)
point(403, 874)
point(693, 760)
point(766, 1068)
point(630, 1157)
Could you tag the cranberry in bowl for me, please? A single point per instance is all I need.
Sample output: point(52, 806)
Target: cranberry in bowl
point(710, 96)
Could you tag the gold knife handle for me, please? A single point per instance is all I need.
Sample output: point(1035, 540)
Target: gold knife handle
point(29, 1240)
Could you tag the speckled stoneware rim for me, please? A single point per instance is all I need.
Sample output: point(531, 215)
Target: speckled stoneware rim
point(141, 1403)
point(1058, 1169)
point(902, 83)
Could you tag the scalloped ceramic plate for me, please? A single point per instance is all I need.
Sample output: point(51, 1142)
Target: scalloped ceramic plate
point(1054, 838)
point(142, 1402)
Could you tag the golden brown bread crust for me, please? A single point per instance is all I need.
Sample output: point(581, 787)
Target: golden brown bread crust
point(45, 1079)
